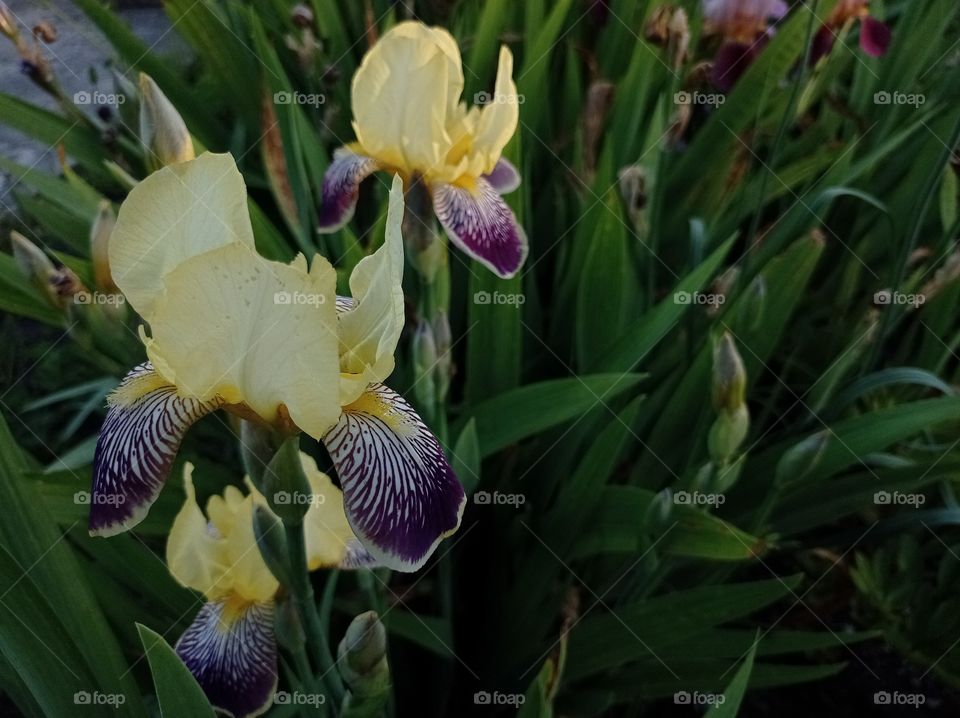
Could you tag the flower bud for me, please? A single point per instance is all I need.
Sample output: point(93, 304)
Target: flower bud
point(442, 339)
point(271, 540)
point(100, 233)
point(362, 660)
point(800, 459)
point(425, 366)
point(283, 479)
point(287, 625)
point(727, 434)
point(57, 284)
point(162, 131)
point(8, 26)
point(729, 375)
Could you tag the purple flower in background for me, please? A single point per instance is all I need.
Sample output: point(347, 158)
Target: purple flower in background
point(874, 34)
point(745, 27)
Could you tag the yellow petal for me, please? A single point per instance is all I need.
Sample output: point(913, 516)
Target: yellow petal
point(370, 330)
point(328, 535)
point(498, 119)
point(176, 213)
point(252, 331)
point(402, 94)
point(248, 574)
point(195, 557)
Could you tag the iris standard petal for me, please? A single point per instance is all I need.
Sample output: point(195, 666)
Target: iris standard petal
point(504, 178)
point(371, 327)
point(341, 187)
point(401, 496)
point(406, 86)
point(480, 223)
point(196, 557)
point(139, 439)
point(498, 119)
point(330, 541)
point(178, 212)
point(231, 650)
point(251, 331)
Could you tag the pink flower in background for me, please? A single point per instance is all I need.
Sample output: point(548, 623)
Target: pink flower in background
point(874, 34)
point(745, 27)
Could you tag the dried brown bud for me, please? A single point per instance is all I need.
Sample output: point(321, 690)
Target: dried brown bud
point(45, 31)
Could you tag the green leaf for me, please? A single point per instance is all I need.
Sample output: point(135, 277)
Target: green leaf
point(178, 692)
point(466, 458)
point(733, 696)
point(604, 640)
point(525, 412)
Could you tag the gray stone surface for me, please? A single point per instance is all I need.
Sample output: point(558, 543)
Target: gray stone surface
point(79, 47)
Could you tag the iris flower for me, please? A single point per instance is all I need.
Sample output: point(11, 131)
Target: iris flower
point(874, 35)
point(271, 343)
point(745, 27)
point(409, 120)
point(230, 647)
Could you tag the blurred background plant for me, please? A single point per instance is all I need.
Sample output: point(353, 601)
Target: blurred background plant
point(709, 429)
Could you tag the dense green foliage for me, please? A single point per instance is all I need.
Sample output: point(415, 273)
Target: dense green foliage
point(626, 545)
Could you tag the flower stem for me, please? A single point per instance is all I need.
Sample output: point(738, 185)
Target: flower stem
point(306, 606)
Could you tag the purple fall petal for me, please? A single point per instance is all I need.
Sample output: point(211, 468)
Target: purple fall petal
point(874, 37)
point(400, 494)
point(341, 187)
point(481, 224)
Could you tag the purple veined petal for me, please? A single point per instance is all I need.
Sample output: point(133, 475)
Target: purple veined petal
point(400, 494)
point(822, 44)
point(504, 178)
point(481, 224)
point(136, 447)
point(732, 60)
point(231, 650)
point(341, 187)
point(874, 37)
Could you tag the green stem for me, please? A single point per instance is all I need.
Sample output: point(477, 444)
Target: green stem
point(307, 679)
point(303, 598)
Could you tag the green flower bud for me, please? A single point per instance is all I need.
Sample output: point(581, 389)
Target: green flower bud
point(729, 375)
point(362, 660)
point(287, 625)
point(285, 485)
point(57, 284)
point(728, 433)
point(162, 131)
point(271, 540)
point(802, 458)
point(444, 365)
point(425, 366)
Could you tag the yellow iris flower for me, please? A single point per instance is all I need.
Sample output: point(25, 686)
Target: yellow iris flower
point(409, 119)
point(272, 343)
